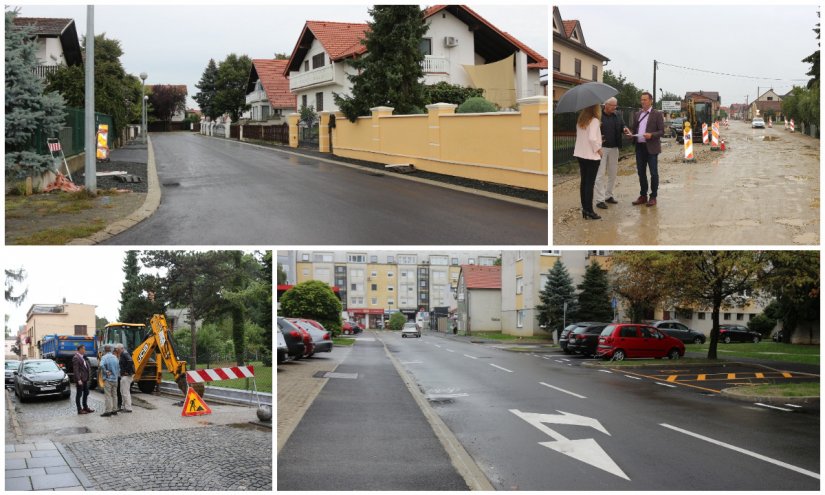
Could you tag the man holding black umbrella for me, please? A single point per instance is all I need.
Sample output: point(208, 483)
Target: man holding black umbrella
point(648, 127)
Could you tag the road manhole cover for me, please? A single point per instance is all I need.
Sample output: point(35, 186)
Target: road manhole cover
point(330, 374)
point(171, 184)
point(74, 430)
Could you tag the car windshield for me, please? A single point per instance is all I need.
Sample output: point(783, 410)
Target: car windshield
point(409, 324)
point(12, 365)
point(40, 367)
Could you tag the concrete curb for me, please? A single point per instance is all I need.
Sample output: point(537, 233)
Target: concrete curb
point(462, 461)
point(150, 205)
point(451, 187)
point(15, 423)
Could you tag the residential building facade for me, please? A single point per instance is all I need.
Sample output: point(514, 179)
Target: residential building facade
point(460, 47)
point(574, 62)
point(57, 42)
point(478, 300)
point(61, 319)
point(268, 92)
point(374, 284)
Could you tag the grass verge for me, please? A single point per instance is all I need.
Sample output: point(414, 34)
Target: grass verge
point(513, 338)
point(805, 389)
point(769, 351)
point(342, 341)
point(62, 235)
point(263, 378)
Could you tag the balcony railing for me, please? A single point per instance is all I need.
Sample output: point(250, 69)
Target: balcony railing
point(255, 97)
point(322, 75)
point(431, 65)
point(44, 70)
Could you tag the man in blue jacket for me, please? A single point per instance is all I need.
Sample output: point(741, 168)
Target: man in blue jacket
point(110, 368)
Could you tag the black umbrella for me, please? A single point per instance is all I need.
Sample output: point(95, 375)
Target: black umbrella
point(583, 96)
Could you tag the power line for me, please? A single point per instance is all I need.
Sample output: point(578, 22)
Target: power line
point(728, 74)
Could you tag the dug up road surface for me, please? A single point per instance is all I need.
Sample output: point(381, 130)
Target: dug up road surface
point(763, 190)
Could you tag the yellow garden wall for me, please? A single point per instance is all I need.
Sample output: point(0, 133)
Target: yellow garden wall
point(506, 148)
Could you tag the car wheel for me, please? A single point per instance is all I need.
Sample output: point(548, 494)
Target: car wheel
point(673, 354)
point(403, 336)
point(756, 340)
point(618, 355)
point(726, 339)
point(698, 340)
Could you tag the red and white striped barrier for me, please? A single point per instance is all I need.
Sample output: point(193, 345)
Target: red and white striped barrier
point(704, 133)
point(714, 139)
point(217, 374)
point(54, 147)
point(792, 126)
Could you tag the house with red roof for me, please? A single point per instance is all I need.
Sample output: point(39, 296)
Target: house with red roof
point(268, 92)
point(57, 42)
point(478, 299)
point(460, 47)
point(574, 62)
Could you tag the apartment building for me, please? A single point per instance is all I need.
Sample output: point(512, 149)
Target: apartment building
point(61, 319)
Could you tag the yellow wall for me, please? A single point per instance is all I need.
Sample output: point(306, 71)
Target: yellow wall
point(520, 273)
point(503, 147)
point(382, 282)
point(299, 267)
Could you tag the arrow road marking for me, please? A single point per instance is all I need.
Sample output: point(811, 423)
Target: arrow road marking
point(744, 451)
point(586, 450)
point(563, 390)
point(773, 407)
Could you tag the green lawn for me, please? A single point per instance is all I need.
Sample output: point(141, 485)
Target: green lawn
point(342, 341)
point(806, 389)
point(772, 351)
point(513, 338)
point(263, 378)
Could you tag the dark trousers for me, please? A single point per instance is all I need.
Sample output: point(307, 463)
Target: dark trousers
point(82, 390)
point(643, 161)
point(119, 397)
point(588, 170)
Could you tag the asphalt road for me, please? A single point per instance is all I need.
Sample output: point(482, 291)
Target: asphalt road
point(544, 421)
point(221, 192)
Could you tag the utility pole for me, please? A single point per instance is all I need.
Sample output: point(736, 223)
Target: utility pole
point(653, 104)
point(91, 141)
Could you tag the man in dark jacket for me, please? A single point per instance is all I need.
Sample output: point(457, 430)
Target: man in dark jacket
point(81, 372)
point(648, 127)
point(127, 371)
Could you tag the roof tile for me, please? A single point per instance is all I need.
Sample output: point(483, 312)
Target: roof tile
point(481, 277)
point(276, 85)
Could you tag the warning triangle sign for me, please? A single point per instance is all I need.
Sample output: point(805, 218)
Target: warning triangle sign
point(194, 405)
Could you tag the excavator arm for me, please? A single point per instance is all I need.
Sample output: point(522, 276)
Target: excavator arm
point(159, 343)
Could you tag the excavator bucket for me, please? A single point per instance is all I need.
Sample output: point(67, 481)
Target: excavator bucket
point(182, 385)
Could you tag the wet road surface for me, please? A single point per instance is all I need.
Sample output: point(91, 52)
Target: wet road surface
point(223, 192)
point(764, 190)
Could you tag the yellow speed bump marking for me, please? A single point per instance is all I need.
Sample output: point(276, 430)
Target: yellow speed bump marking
point(760, 375)
point(787, 375)
point(731, 376)
point(701, 378)
point(672, 378)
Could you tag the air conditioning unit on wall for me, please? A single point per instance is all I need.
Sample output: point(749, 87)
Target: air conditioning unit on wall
point(450, 41)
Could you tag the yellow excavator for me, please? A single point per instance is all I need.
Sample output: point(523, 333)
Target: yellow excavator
point(151, 348)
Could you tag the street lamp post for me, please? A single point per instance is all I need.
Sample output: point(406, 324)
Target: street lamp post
point(143, 77)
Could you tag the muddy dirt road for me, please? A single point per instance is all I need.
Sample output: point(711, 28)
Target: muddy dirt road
point(764, 190)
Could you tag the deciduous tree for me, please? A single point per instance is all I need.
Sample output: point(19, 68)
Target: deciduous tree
point(313, 299)
point(166, 100)
point(642, 279)
point(230, 86)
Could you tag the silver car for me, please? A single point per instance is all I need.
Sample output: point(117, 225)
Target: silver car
point(757, 123)
point(410, 329)
point(321, 339)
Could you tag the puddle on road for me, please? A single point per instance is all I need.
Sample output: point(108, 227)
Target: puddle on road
point(73, 430)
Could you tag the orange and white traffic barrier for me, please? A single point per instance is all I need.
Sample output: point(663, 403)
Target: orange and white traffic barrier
point(704, 133)
point(786, 124)
point(770, 123)
point(687, 134)
point(714, 136)
point(792, 127)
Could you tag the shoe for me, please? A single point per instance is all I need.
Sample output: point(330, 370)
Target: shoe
point(126, 410)
point(652, 202)
point(601, 205)
point(83, 411)
point(88, 410)
point(114, 413)
point(640, 200)
point(591, 215)
point(611, 201)
point(105, 415)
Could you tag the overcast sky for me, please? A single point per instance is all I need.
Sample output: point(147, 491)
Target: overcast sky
point(767, 42)
point(173, 44)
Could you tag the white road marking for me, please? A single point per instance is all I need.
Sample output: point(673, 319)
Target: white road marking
point(565, 359)
point(449, 350)
point(744, 451)
point(793, 405)
point(412, 362)
point(559, 361)
point(545, 357)
point(631, 376)
point(437, 346)
point(773, 407)
point(586, 450)
point(606, 371)
point(665, 384)
point(499, 367)
point(469, 356)
point(563, 390)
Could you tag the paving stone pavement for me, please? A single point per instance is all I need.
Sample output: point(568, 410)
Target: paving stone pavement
point(226, 458)
point(43, 465)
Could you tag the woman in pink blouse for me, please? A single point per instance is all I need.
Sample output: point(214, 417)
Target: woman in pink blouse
point(589, 152)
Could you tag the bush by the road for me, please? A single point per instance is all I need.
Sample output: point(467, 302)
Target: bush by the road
point(397, 321)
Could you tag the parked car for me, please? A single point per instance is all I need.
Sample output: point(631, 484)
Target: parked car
point(321, 339)
point(283, 350)
point(677, 126)
point(11, 367)
point(584, 340)
point(680, 331)
point(39, 377)
point(565, 334)
point(410, 329)
point(350, 328)
point(757, 123)
point(738, 333)
point(629, 340)
point(294, 339)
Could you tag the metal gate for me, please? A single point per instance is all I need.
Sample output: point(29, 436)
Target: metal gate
point(308, 135)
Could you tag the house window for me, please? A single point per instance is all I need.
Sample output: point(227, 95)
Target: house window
point(322, 257)
point(390, 274)
point(373, 259)
point(578, 72)
point(319, 102)
point(595, 73)
point(304, 100)
point(556, 61)
point(726, 316)
point(390, 259)
point(407, 259)
point(740, 316)
point(306, 65)
point(454, 261)
point(471, 261)
point(318, 61)
point(265, 112)
point(520, 318)
point(80, 329)
point(374, 301)
point(486, 261)
point(700, 315)
point(770, 98)
point(519, 285)
point(374, 287)
point(551, 252)
point(305, 257)
point(356, 258)
point(390, 289)
point(439, 260)
point(426, 46)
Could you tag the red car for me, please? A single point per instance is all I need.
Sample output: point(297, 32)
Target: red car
point(628, 340)
point(349, 328)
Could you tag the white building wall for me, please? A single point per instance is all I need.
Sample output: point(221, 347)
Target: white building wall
point(444, 24)
point(485, 310)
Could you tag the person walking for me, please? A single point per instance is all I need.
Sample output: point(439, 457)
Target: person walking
point(588, 150)
point(127, 370)
point(111, 371)
point(81, 372)
point(648, 127)
point(612, 129)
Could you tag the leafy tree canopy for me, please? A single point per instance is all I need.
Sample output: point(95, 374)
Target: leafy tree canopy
point(313, 300)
